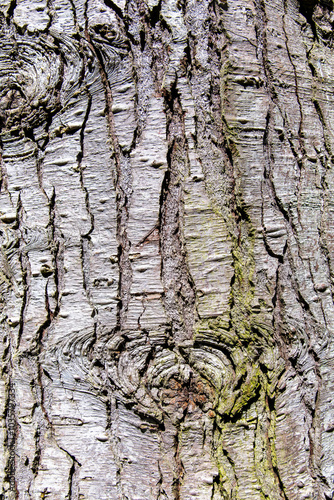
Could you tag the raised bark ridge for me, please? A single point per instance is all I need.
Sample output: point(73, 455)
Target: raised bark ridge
point(167, 241)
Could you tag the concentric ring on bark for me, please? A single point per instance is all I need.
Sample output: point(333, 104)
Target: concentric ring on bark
point(39, 75)
point(30, 74)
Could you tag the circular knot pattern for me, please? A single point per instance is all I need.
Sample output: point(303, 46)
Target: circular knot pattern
point(30, 78)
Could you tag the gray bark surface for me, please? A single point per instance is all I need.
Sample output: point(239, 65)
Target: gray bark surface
point(167, 249)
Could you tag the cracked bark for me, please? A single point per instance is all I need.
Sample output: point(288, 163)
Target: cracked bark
point(166, 248)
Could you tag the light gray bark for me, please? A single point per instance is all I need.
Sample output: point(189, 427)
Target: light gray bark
point(167, 240)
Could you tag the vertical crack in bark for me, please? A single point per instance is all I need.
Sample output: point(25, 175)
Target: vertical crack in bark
point(70, 481)
point(85, 238)
point(74, 12)
point(114, 7)
point(161, 495)
point(11, 433)
point(179, 291)
point(123, 194)
point(37, 346)
point(179, 469)
point(72, 472)
point(24, 263)
point(144, 305)
point(235, 481)
point(10, 11)
point(55, 251)
point(261, 27)
point(267, 180)
point(271, 448)
point(116, 449)
point(37, 454)
point(315, 435)
point(326, 165)
point(80, 169)
point(301, 122)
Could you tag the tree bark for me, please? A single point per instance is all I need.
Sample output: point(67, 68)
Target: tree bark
point(167, 249)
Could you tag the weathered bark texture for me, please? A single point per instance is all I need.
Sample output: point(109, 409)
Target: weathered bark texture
point(167, 249)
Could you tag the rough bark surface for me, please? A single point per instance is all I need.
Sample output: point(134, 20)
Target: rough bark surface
point(167, 249)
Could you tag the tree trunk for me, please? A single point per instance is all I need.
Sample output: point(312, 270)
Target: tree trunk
point(167, 249)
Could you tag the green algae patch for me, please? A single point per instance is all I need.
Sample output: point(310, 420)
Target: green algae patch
point(248, 392)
